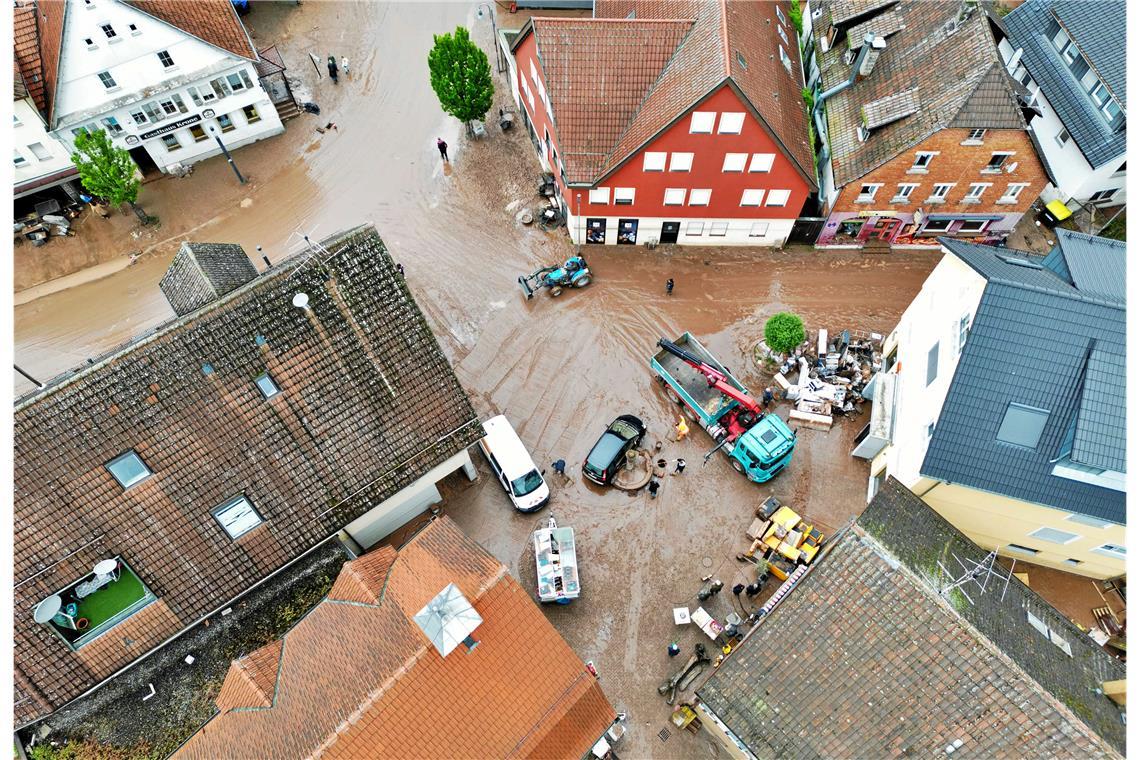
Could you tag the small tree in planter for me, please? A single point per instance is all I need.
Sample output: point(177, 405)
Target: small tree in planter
point(107, 171)
point(461, 76)
point(783, 332)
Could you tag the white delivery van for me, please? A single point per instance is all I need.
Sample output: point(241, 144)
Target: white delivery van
point(513, 466)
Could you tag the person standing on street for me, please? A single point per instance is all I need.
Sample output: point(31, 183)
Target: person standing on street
point(439, 143)
point(333, 69)
point(768, 397)
point(344, 64)
point(680, 467)
point(669, 287)
point(653, 486)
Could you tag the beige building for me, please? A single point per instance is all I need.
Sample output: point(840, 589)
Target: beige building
point(1003, 405)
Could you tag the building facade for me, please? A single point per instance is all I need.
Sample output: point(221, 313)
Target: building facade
point(214, 451)
point(996, 404)
point(922, 133)
point(654, 134)
point(1073, 62)
point(162, 79)
point(42, 162)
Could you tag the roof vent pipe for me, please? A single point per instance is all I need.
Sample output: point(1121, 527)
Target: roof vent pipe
point(868, 40)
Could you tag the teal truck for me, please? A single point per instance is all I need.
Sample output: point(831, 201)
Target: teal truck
point(759, 445)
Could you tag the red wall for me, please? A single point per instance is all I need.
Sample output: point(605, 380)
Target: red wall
point(708, 159)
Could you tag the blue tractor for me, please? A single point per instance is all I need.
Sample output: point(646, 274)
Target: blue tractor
point(572, 274)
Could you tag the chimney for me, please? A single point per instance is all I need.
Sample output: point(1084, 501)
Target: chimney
point(875, 49)
point(204, 272)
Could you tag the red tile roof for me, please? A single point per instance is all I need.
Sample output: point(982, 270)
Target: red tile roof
point(213, 21)
point(27, 52)
point(590, 74)
point(357, 679)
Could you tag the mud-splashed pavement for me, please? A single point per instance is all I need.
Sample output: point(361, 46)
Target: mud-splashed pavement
point(561, 369)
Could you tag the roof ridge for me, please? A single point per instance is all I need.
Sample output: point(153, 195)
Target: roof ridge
point(724, 38)
point(606, 19)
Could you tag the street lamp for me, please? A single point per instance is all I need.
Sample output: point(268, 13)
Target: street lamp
point(578, 203)
point(500, 66)
point(218, 137)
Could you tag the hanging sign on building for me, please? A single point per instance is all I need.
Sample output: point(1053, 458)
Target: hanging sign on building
point(171, 127)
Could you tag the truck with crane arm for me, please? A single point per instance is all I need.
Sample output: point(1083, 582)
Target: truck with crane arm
point(758, 445)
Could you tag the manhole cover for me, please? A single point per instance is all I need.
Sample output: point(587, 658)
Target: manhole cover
point(663, 734)
point(706, 562)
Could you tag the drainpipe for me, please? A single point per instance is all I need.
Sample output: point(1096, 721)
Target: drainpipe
point(868, 41)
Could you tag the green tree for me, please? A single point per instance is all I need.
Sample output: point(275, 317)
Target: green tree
point(783, 332)
point(461, 76)
point(796, 14)
point(107, 171)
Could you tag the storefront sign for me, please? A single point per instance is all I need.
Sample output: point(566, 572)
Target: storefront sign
point(866, 213)
point(132, 140)
point(208, 113)
point(171, 127)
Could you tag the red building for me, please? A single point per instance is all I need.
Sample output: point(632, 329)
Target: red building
point(679, 121)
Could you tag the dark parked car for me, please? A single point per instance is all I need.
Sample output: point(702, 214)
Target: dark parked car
point(606, 457)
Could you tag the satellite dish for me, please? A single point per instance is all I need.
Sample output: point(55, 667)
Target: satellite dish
point(1010, 167)
point(448, 619)
point(47, 609)
point(301, 301)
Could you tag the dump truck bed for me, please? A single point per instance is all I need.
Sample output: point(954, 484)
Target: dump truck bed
point(709, 400)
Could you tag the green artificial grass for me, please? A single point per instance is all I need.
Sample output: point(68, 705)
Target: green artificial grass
point(112, 599)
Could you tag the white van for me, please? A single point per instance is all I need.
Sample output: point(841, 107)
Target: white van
point(513, 466)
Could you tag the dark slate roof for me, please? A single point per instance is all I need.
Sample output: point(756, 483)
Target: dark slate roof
point(203, 272)
point(368, 404)
point(1036, 340)
point(864, 659)
point(1095, 265)
point(957, 80)
point(1099, 31)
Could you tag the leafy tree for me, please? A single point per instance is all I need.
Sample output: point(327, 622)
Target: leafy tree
point(461, 76)
point(107, 171)
point(796, 14)
point(783, 332)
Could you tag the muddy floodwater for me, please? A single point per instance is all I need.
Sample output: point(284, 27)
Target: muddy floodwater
point(560, 368)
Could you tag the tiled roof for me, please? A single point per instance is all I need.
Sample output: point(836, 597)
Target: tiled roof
point(883, 111)
point(597, 72)
point(27, 52)
point(1094, 265)
point(368, 404)
point(360, 679)
point(363, 580)
point(1032, 342)
point(1099, 31)
point(655, 67)
point(958, 76)
point(865, 659)
point(203, 272)
point(213, 21)
point(252, 680)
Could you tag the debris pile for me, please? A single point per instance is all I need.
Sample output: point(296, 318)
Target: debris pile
point(831, 376)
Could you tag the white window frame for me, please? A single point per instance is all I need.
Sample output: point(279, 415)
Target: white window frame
point(718, 229)
point(46, 153)
point(780, 15)
point(735, 123)
point(261, 388)
point(990, 168)
point(928, 222)
point(976, 197)
point(171, 137)
point(1037, 534)
point(1102, 550)
point(695, 228)
point(759, 229)
point(147, 472)
point(600, 196)
point(903, 197)
point(681, 162)
point(761, 162)
point(1101, 196)
point(935, 196)
point(784, 59)
point(868, 197)
point(1062, 137)
point(1092, 522)
point(654, 161)
point(698, 121)
point(1012, 191)
point(700, 196)
point(963, 330)
point(975, 137)
point(114, 85)
point(778, 198)
point(624, 196)
point(243, 522)
point(922, 161)
point(983, 222)
point(734, 163)
point(752, 197)
point(780, 29)
point(19, 159)
point(674, 196)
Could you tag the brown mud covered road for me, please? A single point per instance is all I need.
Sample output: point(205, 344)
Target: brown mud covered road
point(560, 368)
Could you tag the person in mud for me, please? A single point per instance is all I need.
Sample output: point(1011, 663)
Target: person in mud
point(768, 397)
point(669, 287)
point(333, 69)
point(654, 486)
point(439, 143)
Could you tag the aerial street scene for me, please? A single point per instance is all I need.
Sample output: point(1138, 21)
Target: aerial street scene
point(569, 379)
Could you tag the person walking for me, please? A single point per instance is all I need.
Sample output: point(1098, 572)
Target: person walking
point(669, 287)
point(560, 467)
point(682, 429)
point(654, 485)
point(333, 69)
point(439, 143)
point(344, 64)
point(768, 397)
point(679, 468)
point(400, 269)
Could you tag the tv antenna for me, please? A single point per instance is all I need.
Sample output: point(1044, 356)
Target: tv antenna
point(301, 241)
point(977, 572)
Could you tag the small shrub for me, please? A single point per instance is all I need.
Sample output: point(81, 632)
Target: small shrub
point(796, 13)
point(783, 332)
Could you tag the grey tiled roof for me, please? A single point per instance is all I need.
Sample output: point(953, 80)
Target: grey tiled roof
point(1040, 341)
point(203, 272)
point(958, 76)
point(865, 660)
point(1098, 28)
point(1095, 265)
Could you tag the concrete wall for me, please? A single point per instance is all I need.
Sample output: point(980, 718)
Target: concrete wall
point(27, 131)
point(131, 58)
point(958, 161)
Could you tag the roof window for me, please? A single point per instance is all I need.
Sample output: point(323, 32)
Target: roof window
point(1022, 425)
point(266, 385)
point(1017, 261)
point(128, 469)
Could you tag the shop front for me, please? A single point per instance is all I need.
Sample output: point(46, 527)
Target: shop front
point(863, 228)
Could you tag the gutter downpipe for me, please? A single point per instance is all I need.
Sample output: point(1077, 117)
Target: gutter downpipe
point(868, 38)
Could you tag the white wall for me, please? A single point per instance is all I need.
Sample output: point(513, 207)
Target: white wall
point(951, 291)
point(28, 129)
point(738, 232)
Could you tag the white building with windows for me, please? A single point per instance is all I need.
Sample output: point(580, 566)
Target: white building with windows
point(1071, 57)
point(162, 78)
point(41, 161)
point(1000, 401)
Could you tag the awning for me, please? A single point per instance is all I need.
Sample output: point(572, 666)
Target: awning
point(46, 181)
point(966, 217)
